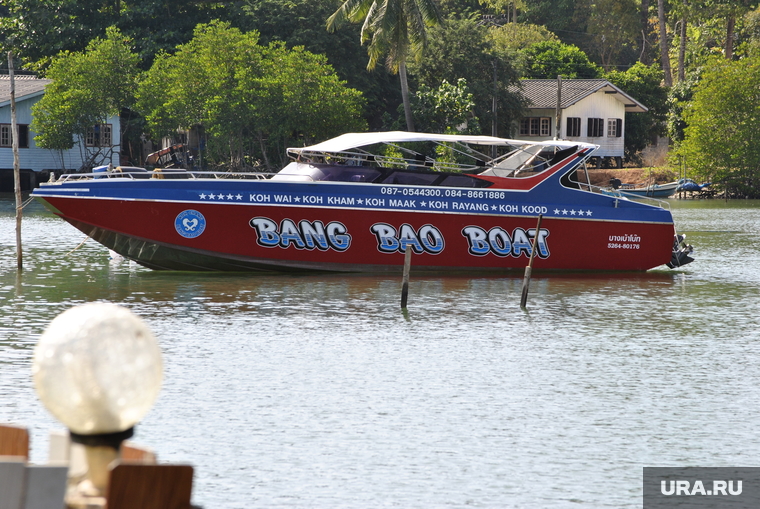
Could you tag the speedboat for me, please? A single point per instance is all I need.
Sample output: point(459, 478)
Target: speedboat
point(358, 202)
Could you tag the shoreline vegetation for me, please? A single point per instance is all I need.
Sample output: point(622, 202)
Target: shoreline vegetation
point(635, 176)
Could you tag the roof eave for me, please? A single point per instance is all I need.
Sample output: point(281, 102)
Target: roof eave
point(24, 97)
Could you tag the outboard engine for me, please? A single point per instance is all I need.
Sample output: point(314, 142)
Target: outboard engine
point(616, 183)
point(681, 252)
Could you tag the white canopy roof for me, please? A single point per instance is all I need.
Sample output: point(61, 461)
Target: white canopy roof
point(354, 140)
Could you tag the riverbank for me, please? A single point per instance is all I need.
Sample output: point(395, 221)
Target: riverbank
point(636, 176)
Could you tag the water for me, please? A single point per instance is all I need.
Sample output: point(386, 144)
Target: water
point(316, 391)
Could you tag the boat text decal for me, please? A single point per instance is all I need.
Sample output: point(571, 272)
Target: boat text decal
point(499, 242)
point(304, 235)
point(627, 241)
point(190, 223)
point(428, 239)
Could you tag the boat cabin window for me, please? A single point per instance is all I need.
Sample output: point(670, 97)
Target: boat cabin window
point(300, 172)
point(350, 174)
point(413, 178)
point(463, 181)
point(305, 172)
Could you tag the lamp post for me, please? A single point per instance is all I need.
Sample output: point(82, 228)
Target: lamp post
point(97, 368)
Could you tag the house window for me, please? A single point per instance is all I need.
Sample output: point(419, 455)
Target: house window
point(614, 127)
point(595, 128)
point(99, 135)
point(573, 127)
point(535, 126)
point(6, 136)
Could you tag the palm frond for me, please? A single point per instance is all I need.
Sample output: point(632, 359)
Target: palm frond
point(351, 11)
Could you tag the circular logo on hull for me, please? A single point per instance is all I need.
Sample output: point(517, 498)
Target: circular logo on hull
point(190, 223)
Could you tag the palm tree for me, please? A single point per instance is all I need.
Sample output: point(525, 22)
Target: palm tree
point(397, 28)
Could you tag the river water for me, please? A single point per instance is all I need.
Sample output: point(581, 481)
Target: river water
point(318, 392)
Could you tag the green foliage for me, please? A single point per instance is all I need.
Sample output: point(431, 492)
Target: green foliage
point(396, 29)
point(722, 141)
point(87, 88)
point(549, 59)
point(37, 30)
point(299, 23)
point(643, 83)
point(614, 28)
point(749, 34)
point(297, 99)
point(566, 18)
point(461, 48)
point(517, 36)
point(447, 109)
point(503, 6)
point(678, 99)
point(251, 100)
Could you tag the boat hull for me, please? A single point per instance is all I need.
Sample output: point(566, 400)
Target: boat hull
point(268, 226)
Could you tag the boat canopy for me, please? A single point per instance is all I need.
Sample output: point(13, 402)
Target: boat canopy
point(354, 140)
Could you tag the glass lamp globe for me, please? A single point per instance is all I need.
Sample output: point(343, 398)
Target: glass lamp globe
point(97, 368)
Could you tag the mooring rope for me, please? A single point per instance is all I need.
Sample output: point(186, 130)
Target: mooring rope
point(80, 245)
point(27, 202)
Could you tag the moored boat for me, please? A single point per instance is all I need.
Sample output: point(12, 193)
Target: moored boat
point(357, 202)
point(652, 191)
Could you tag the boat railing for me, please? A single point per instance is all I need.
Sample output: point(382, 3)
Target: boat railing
point(620, 193)
point(396, 161)
point(163, 173)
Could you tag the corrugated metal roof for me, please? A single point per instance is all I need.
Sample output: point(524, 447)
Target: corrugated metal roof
point(543, 93)
point(25, 85)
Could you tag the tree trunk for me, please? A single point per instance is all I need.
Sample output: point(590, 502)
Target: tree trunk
point(16, 165)
point(682, 52)
point(729, 50)
point(644, 55)
point(664, 47)
point(405, 97)
point(260, 136)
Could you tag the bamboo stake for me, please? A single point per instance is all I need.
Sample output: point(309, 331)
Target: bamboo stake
point(16, 164)
point(405, 278)
point(529, 268)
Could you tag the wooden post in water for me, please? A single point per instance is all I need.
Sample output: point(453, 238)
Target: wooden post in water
point(16, 164)
point(529, 268)
point(405, 278)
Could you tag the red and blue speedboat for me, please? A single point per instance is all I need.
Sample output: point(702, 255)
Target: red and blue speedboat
point(357, 202)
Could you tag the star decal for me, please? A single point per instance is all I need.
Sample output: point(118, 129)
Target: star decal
point(238, 196)
point(422, 203)
point(573, 212)
point(493, 207)
point(360, 201)
point(297, 199)
point(212, 196)
point(203, 196)
point(229, 196)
